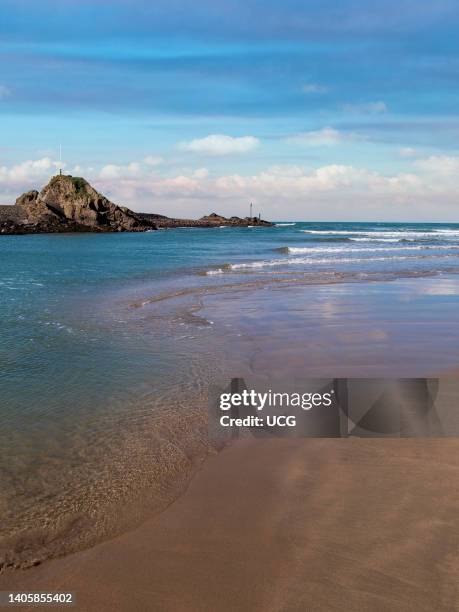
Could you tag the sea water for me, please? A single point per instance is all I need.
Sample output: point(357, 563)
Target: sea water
point(108, 343)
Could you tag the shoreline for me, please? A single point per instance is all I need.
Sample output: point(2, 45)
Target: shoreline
point(259, 348)
point(334, 328)
point(176, 446)
point(279, 524)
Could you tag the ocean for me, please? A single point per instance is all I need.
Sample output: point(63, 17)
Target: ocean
point(109, 342)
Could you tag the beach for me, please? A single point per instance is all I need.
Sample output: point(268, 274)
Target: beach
point(229, 306)
point(110, 345)
point(285, 525)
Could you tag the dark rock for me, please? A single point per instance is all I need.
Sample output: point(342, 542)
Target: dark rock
point(70, 204)
point(73, 200)
point(212, 220)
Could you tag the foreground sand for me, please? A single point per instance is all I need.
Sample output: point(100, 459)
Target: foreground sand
point(345, 525)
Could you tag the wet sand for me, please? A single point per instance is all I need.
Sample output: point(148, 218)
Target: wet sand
point(272, 525)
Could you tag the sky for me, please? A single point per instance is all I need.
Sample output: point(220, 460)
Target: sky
point(311, 109)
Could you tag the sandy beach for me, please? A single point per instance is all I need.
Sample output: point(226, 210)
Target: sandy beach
point(265, 524)
point(285, 525)
point(229, 306)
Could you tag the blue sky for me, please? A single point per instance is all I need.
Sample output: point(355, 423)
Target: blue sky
point(315, 109)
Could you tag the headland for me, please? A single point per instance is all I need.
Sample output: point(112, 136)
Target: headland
point(70, 204)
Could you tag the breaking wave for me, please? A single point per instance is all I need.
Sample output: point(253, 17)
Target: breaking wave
point(313, 260)
point(299, 250)
point(398, 234)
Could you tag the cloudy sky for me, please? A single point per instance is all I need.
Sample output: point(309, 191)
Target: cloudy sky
point(312, 109)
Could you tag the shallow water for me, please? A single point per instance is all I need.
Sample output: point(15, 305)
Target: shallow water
point(109, 343)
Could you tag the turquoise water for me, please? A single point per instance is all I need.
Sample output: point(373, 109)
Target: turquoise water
point(106, 339)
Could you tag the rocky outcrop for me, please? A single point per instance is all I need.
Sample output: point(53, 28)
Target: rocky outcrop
point(70, 204)
point(212, 220)
point(215, 219)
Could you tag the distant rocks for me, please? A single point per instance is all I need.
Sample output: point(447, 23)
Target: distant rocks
point(212, 220)
point(70, 204)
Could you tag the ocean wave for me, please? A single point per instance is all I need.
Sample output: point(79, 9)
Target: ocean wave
point(283, 224)
point(381, 239)
point(299, 250)
point(328, 260)
point(409, 234)
point(332, 232)
point(350, 250)
point(309, 260)
point(448, 231)
point(398, 234)
point(215, 271)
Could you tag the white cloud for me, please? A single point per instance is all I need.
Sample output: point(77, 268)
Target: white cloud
point(153, 160)
point(220, 144)
point(333, 191)
point(429, 191)
point(110, 171)
point(326, 137)
point(314, 88)
point(29, 170)
point(113, 171)
point(281, 191)
point(443, 165)
point(292, 184)
point(407, 152)
point(4, 92)
point(201, 173)
point(366, 108)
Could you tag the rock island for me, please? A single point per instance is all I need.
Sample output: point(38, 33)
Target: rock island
point(70, 204)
